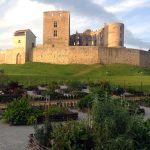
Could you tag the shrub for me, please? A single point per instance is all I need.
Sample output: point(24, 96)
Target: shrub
point(85, 102)
point(72, 136)
point(19, 112)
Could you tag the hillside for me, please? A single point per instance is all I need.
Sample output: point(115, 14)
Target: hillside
point(35, 73)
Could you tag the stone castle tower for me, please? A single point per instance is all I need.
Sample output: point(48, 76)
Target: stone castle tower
point(114, 34)
point(56, 28)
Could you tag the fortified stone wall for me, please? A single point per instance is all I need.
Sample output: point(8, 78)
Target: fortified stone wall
point(12, 56)
point(144, 59)
point(66, 55)
point(90, 55)
point(2, 56)
point(119, 55)
point(78, 55)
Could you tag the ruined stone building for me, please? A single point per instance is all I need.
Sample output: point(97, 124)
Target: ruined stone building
point(111, 35)
point(105, 45)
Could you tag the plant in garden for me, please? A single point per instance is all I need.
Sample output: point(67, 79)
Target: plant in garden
point(72, 136)
point(44, 134)
point(112, 127)
point(20, 112)
point(115, 127)
point(85, 102)
point(53, 110)
point(14, 90)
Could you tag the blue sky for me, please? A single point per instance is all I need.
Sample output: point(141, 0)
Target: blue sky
point(24, 14)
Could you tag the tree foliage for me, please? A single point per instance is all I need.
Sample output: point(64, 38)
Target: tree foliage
point(116, 128)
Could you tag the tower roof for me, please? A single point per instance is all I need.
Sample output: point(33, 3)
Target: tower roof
point(22, 32)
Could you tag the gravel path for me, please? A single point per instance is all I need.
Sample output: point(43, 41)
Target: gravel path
point(147, 112)
point(14, 137)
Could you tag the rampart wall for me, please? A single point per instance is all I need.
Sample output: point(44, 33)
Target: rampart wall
point(119, 55)
point(90, 55)
point(77, 55)
point(66, 55)
point(125, 56)
point(144, 59)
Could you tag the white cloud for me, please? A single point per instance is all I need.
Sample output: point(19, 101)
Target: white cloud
point(126, 5)
point(80, 24)
point(22, 15)
point(2, 2)
point(23, 12)
point(139, 29)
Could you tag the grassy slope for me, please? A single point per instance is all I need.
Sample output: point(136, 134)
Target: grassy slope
point(34, 73)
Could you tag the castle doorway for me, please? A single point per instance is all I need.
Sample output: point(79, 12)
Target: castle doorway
point(18, 59)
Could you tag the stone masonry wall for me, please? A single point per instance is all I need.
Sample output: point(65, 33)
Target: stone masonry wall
point(90, 55)
point(119, 55)
point(85, 55)
point(144, 59)
point(9, 56)
point(66, 55)
point(62, 20)
point(79, 55)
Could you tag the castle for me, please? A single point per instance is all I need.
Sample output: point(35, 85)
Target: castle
point(105, 45)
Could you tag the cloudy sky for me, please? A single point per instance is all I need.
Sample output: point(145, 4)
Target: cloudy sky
point(24, 14)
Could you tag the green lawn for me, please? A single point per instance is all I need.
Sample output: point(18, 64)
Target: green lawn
point(35, 73)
